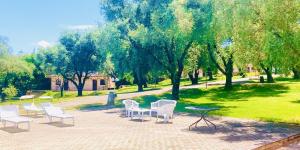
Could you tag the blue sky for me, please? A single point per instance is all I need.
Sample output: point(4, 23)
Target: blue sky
point(32, 23)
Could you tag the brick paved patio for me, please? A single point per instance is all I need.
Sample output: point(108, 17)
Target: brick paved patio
point(107, 129)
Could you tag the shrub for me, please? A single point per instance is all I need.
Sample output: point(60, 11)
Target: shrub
point(10, 91)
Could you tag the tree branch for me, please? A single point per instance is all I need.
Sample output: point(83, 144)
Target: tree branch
point(214, 60)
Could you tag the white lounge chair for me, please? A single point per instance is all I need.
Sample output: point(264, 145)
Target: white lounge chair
point(155, 105)
point(10, 113)
point(166, 111)
point(129, 106)
point(46, 104)
point(57, 112)
point(27, 97)
point(30, 107)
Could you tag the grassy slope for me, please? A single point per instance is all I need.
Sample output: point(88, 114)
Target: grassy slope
point(279, 102)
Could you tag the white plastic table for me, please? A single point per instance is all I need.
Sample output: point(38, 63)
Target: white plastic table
point(46, 97)
point(141, 112)
point(203, 111)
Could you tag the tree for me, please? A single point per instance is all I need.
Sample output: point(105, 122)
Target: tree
point(40, 81)
point(267, 35)
point(285, 27)
point(14, 71)
point(220, 39)
point(198, 58)
point(130, 57)
point(77, 58)
point(168, 39)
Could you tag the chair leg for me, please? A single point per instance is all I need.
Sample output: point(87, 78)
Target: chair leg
point(28, 125)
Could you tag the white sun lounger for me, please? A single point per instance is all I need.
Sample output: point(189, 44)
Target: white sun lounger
point(56, 112)
point(10, 113)
point(30, 107)
point(27, 97)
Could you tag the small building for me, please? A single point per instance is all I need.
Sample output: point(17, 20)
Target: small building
point(94, 83)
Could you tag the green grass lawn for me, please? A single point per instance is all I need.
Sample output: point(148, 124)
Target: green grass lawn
point(278, 102)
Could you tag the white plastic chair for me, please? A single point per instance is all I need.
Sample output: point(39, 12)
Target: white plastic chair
point(129, 106)
point(155, 105)
point(30, 107)
point(10, 113)
point(57, 112)
point(166, 111)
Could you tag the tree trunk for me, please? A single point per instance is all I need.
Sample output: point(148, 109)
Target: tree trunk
point(268, 71)
point(79, 89)
point(296, 73)
point(145, 82)
point(176, 82)
point(145, 85)
point(138, 81)
point(61, 91)
point(140, 87)
point(269, 76)
point(175, 88)
point(194, 77)
point(2, 96)
point(229, 74)
point(210, 74)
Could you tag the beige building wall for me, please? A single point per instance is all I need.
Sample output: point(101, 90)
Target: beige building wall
point(94, 80)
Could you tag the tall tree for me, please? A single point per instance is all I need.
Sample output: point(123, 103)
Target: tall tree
point(168, 38)
point(127, 14)
point(77, 58)
point(14, 71)
point(220, 38)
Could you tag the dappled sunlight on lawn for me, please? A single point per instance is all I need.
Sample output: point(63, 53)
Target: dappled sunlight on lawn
point(276, 102)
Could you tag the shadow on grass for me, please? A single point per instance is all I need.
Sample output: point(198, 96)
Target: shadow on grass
point(217, 95)
point(287, 79)
point(93, 107)
point(127, 92)
point(238, 93)
point(296, 101)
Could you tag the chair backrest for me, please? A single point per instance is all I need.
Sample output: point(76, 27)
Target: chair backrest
point(26, 105)
point(154, 104)
point(46, 104)
point(27, 97)
point(130, 104)
point(163, 102)
point(9, 111)
point(53, 110)
point(166, 109)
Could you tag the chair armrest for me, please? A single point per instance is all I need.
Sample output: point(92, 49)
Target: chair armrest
point(154, 105)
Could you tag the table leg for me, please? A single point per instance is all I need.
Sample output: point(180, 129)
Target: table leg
point(210, 123)
point(195, 123)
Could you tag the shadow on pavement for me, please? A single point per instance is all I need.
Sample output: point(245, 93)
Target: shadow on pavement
point(13, 130)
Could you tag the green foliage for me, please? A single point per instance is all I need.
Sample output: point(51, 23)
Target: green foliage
point(76, 59)
point(17, 72)
point(10, 91)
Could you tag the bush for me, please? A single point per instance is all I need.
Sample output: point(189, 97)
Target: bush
point(10, 91)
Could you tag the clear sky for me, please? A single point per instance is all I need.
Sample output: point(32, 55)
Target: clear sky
point(32, 23)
